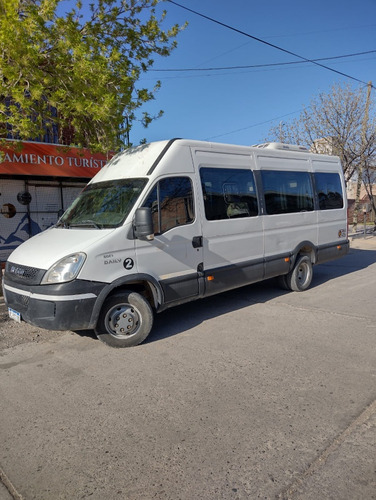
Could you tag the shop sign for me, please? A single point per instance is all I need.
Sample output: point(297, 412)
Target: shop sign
point(34, 158)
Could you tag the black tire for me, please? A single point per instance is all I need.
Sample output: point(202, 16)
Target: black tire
point(283, 283)
point(300, 277)
point(125, 320)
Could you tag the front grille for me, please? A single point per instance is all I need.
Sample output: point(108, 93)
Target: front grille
point(23, 274)
point(26, 273)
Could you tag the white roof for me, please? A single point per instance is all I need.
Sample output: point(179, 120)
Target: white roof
point(133, 162)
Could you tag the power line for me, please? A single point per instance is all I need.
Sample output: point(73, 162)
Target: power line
point(317, 32)
point(252, 126)
point(267, 43)
point(265, 65)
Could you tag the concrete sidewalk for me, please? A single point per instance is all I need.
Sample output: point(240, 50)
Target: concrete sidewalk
point(343, 471)
point(4, 492)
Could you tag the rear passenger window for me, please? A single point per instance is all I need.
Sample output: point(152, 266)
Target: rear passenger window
point(171, 203)
point(329, 191)
point(287, 191)
point(228, 193)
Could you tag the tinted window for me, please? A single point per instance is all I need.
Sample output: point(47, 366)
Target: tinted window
point(228, 193)
point(329, 191)
point(287, 192)
point(171, 203)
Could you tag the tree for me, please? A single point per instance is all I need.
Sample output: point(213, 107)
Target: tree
point(80, 70)
point(341, 122)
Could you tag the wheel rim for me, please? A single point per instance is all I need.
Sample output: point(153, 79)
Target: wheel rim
point(304, 273)
point(123, 321)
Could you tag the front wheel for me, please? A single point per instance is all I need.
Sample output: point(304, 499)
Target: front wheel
point(300, 277)
point(125, 320)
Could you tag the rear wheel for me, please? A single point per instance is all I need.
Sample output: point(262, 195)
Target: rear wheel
point(125, 320)
point(282, 282)
point(300, 277)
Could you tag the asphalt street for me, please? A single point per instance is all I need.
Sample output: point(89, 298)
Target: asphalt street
point(255, 393)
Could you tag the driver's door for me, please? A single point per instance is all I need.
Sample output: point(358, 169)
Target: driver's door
point(174, 256)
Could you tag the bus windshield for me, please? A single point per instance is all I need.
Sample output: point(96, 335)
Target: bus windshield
point(103, 205)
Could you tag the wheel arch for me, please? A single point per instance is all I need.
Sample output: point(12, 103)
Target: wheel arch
point(144, 284)
point(304, 248)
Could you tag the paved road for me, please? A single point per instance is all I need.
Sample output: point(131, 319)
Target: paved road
point(256, 393)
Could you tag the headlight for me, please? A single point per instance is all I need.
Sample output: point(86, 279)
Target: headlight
point(65, 269)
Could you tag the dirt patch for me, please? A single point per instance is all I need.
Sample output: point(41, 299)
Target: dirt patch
point(13, 333)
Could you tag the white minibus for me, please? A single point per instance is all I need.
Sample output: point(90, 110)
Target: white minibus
point(174, 221)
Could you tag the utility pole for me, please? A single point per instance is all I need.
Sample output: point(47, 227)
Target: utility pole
point(362, 156)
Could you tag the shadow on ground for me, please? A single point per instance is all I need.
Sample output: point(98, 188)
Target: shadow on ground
point(355, 260)
point(182, 318)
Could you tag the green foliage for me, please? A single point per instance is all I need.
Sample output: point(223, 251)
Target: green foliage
point(86, 64)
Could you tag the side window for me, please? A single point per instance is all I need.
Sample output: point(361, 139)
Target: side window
point(228, 193)
point(287, 191)
point(171, 203)
point(329, 191)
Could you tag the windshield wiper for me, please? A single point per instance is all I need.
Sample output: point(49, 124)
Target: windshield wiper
point(64, 225)
point(85, 223)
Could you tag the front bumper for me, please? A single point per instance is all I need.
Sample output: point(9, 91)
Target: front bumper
point(66, 306)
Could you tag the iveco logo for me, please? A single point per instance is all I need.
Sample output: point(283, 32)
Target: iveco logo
point(17, 270)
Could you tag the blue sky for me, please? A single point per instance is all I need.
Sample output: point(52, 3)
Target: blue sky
point(240, 106)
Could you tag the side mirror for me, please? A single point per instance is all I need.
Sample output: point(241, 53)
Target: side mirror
point(143, 224)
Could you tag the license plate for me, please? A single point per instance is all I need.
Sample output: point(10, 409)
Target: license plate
point(14, 315)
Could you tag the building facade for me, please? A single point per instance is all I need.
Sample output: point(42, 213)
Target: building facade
point(38, 181)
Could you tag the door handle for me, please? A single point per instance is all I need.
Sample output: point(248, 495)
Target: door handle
point(197, 241)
